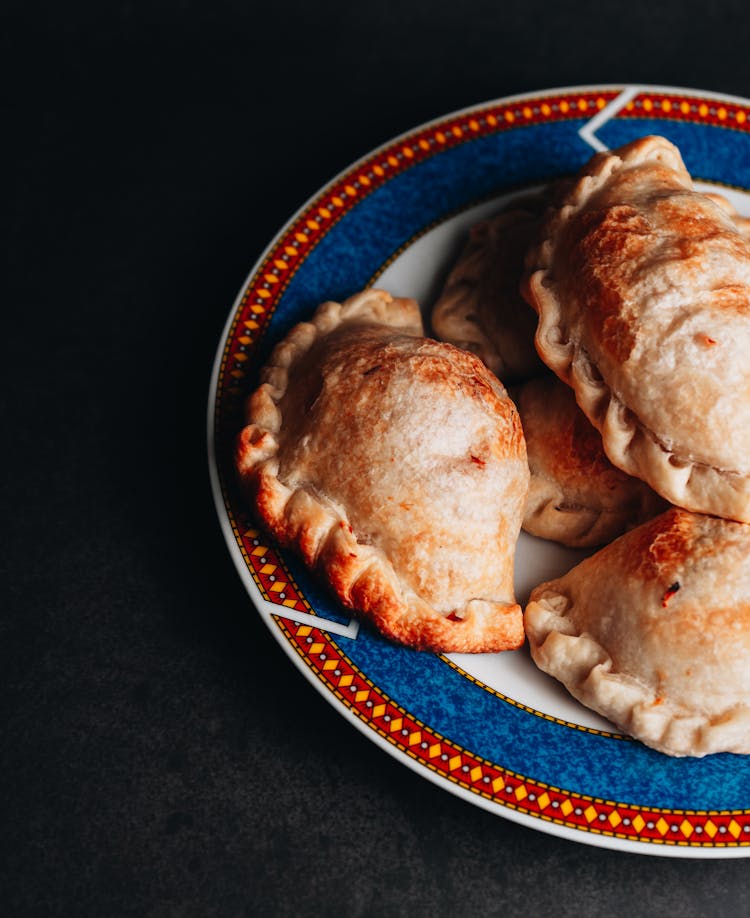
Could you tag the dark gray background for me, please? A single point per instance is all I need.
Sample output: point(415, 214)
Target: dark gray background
point(160, 755)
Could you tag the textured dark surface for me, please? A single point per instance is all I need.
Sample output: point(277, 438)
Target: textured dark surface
point(160, 756)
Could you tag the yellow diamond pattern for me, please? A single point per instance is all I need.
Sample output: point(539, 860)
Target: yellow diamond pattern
point(276, 269)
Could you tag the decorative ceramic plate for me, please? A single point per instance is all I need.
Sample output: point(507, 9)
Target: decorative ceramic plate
point(490, 728)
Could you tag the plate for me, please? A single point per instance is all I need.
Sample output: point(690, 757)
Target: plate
point(490, 728)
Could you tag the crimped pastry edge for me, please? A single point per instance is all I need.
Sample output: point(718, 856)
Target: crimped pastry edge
point(361, 576)
point(584, 526)
point(629, 444)
point(630, 705)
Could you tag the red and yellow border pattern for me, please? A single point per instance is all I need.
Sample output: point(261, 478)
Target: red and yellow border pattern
point(315, 647)
point(726, 114)
point(683, 828)
point(272, 577)
point(267, 285)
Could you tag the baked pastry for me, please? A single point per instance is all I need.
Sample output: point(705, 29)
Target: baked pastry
point(653, 632)
point(480, 307)
point(742, 223)
point(642, 286)
point(396, 466)
point(576, 496)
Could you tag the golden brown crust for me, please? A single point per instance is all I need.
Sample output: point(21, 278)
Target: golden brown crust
point(396, 465)
point(742, 223)
point(642, 286)
point(576, 496)
point(653, 632)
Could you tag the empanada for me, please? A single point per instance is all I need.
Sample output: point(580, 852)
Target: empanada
point(576, 496)
point(653, 632)
point(642, 286)
point(480, 307)
point(396, 465)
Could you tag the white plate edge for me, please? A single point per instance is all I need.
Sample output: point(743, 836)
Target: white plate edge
point(266, 610)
